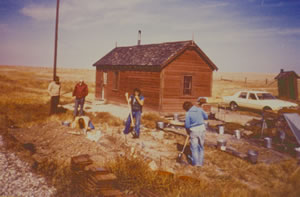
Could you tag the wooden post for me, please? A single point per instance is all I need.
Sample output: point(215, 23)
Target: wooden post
point(55, 40)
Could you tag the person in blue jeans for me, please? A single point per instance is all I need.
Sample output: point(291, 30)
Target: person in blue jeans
point(136, 101)
point(195, 126)
point(80, 92)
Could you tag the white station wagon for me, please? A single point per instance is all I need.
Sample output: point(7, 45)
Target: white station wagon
point(258, 100)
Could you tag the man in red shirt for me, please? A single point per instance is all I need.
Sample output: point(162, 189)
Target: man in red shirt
point(80, 92)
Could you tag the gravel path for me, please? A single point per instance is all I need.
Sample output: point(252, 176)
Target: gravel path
point(16, 178)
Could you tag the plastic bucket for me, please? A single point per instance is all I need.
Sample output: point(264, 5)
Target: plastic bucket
point(160, 125)
point(66, 123)
point(297, 153)
point(237, 134)
point(176, 117)
point(252, 156)
point(221, 144)
point(268, 142)
point(221, 129)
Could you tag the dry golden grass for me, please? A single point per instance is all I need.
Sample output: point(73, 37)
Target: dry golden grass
point(24, 102)
point(105, 118)
point(277, 180)
point(149, 120)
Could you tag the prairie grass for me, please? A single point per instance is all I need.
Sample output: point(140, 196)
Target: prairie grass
point(276, 180)
point(105, 118)
point(24, 102)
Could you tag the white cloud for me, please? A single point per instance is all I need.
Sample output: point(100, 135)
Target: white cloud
point(39, 12)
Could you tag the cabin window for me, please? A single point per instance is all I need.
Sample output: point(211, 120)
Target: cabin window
point(187, 85)
point(116, 80)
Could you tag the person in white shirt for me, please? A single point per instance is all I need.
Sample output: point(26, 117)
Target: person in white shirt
point(54, 91)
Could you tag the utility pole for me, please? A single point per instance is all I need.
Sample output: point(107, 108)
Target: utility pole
point(55, 40)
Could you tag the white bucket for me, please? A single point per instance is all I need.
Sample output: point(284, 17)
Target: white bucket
point(221, 144)
point(221, 129)
point(297, 153)
point(252, 156)
point(160, 125)
point(176, 117)
point(237, 134)
point(268, 142)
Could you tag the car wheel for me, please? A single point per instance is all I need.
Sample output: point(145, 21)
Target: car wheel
point(267, 108)
point(233, 106)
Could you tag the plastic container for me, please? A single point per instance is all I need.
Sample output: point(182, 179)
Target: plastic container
point(221, 129)
point(176, 117)
point(268, 142)
point(297, 153)
point(237, 134)
point(66, 123)
point(160, 125)
point(253, 156)
point(221, 144)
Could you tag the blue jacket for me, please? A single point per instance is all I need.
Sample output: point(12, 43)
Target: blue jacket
point(195, 117)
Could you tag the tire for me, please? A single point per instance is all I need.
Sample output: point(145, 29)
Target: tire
point(267, 108)
point(233, 106)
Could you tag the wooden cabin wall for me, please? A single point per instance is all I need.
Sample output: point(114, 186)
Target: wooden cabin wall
point(99, 82)
point(148, 82)
point(188, 63)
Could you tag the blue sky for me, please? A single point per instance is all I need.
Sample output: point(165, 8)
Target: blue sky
point(238, 35)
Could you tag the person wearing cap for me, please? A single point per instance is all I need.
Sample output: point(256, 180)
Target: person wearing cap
point(54, 91)
point(201, 101)
point(80, 92)
point(195, 126)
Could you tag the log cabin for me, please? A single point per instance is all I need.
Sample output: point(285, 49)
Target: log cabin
point(167, 74)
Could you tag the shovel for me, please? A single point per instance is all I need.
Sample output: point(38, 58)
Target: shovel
point(179, 158)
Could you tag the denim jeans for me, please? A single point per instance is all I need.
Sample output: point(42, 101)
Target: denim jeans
point(197, 136)
point(79, 102)
point(91, 125)
point(137, 116)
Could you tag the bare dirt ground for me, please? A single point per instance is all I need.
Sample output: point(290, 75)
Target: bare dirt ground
point(25, 106)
